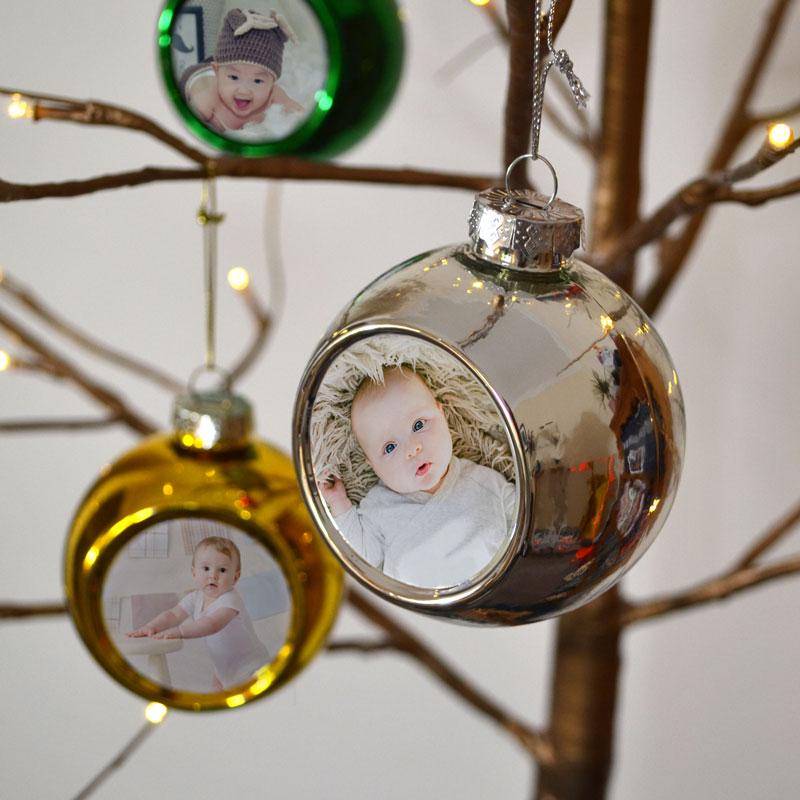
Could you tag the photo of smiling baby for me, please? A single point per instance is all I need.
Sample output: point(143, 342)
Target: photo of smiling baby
point(431, 517)
point(250, 88)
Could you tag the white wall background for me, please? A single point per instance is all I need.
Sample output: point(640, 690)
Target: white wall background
point(710, 705)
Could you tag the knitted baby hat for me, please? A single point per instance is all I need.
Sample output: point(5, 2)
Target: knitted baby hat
point(253, 38)
point(471, 415)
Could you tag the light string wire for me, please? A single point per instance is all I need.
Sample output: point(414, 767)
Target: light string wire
point(209, 218)
point(561, 59)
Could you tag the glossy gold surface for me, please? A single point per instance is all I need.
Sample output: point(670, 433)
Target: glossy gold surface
point(592, 409)
point(252, 489)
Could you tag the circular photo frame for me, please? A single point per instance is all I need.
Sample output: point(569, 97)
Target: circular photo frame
point(190, 610)
point(255, 78)
point(198, 606)
point(407, 466)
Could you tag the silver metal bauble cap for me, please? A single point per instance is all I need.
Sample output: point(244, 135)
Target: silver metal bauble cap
point(212, 420)
point(516, 229)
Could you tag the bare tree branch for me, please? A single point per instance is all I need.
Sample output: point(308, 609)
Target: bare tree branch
point(117, 761)
point(615, 200)
point(95, 113)
point(770, 538)
point(692, 199)
point(37, 307)
point(287, 168)
point(675, 251)
point(776, 114)
point(718, 588)
point(362, 645)
point(263, 325)
point(25, 610)
point(531, 740)
point(757, 197)
point(48, 425)
point(110, 399)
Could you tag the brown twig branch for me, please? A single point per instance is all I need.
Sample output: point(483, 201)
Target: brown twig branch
point(92, 112)
point(615, 202)
point(742, 575)
point(775, 114)
point(362, 645)
point(757, 197)
point(692, 199)
point(95, 113)
point(26, 610)
point(718, 588)
point(283, 168)
point(675, 251)
point(770, 538)
point(48, 425)
point(117, 761)
point(531, 740)
point(263, 324)
point(39, 309)
point(60, 366)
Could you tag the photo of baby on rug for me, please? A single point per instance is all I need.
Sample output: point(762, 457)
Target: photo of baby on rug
point(412, 461)
point(266, 65)
point(196, 605)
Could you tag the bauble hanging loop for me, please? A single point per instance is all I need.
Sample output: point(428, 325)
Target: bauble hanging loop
point(534, 409)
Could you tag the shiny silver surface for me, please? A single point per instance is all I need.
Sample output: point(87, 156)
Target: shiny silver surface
point(522, 230)
point(593, 412)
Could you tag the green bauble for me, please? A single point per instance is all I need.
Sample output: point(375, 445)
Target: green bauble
point(311, 80)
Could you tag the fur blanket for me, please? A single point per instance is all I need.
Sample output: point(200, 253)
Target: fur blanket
point(474, 422)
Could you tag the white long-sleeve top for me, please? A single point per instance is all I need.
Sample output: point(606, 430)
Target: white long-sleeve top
point(434, 540)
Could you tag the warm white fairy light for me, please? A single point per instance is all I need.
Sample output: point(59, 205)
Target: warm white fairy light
point(780, 135)
point(155, 712)
point(480, 2)
point(238, 278)
point(19, 108)
point(5, 360)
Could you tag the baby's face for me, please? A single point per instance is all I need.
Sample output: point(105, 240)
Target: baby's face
point(244, 88)
point(214, 573)
point(403, 433)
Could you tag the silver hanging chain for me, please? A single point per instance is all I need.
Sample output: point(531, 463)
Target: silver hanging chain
point(559, 58)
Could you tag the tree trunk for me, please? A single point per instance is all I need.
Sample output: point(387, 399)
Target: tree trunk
point(615, 205)
point(586, 672)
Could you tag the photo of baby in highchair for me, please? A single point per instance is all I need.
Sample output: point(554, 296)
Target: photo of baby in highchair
point(219, 633)
point(247, 89)
point(436, 511)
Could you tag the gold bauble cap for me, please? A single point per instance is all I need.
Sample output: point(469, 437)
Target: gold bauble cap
point(214, 420)
point(522, 230)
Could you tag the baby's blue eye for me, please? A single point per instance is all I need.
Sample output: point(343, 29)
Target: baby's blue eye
point(389, 448)
point(259, 80)
point(418, 425)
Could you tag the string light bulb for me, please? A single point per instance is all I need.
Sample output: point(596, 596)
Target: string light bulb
point(19, 108)
point(155, 713)
point(780, 135)
point(5, 360)
point(480, 2)
point(238, 278)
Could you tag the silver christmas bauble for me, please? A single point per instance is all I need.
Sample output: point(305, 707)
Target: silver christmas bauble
point(517, 433)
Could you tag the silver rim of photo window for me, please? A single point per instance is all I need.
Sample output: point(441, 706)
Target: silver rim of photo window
point(402, 593)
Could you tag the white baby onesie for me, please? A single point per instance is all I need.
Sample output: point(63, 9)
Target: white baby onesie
point(235, 650)
point(439, 539)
